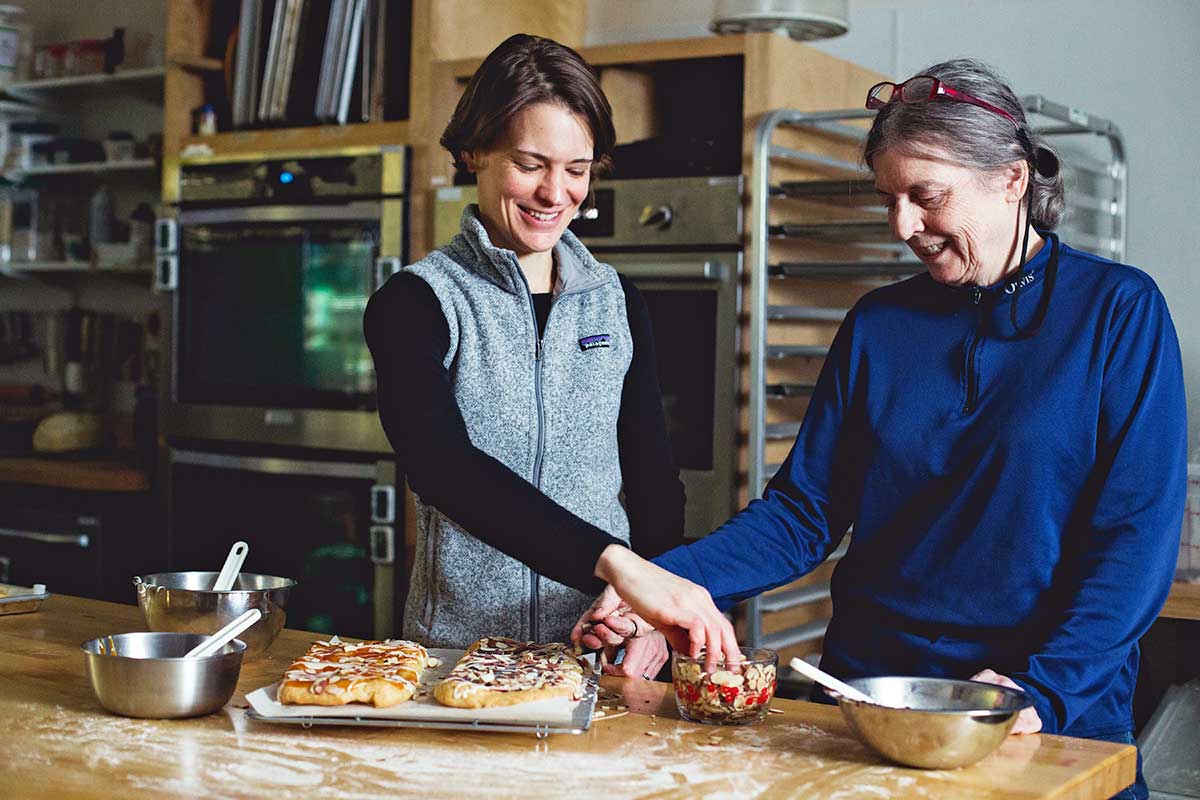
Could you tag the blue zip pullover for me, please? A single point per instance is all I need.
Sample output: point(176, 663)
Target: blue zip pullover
point(1016, 500)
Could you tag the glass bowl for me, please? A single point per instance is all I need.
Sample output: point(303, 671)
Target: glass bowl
point(738, 695)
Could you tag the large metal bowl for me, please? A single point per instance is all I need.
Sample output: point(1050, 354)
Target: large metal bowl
point(185, 602)
point(150, 678)
point(938, 723)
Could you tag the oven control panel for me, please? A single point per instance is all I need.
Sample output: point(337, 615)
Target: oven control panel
point(663, 212)
point(289, 180)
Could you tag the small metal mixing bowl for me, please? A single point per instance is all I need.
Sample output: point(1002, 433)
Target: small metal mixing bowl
point(935, 723)
point(149, 677)
point(185, 602)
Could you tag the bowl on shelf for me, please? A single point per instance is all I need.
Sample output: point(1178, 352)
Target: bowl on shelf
point(934, 723)
point(735, 695)
point(185, 602)
point(145, 674)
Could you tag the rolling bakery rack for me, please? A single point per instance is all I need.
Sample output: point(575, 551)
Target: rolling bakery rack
point(819, 239)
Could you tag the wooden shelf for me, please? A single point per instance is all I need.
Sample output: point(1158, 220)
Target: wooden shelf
point(284, 142)
point(147, 75)
point(1183, 602)
point(127, 165)
point(99, 476)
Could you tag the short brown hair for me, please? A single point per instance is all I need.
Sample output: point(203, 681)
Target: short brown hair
point(522, 71)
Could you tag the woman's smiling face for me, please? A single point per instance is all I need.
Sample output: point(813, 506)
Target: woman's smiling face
point(960, 222)
point(534, 180)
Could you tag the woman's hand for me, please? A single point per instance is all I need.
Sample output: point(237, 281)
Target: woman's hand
point(644, 656)
point(645, 648)
point(681, 610)
point(1028, 720)
point(609, 631)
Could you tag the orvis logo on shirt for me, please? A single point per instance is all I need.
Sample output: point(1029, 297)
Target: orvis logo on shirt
point(1020, 283)
point(598, 340)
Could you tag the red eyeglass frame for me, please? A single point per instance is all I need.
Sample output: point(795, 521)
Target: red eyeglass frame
point(936, 88)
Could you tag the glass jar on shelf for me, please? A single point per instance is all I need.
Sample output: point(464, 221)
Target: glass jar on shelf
point(84, 57)
point(49, 61)
point(119, 146)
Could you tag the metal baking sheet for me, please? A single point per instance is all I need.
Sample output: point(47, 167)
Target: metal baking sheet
point(21, 599)
point(541, 718)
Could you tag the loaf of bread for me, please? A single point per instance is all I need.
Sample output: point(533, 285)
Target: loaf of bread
point(334, 673)
point(66, 431)
point(496, 671)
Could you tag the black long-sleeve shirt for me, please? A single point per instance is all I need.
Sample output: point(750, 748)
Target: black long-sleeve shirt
point(409, 338)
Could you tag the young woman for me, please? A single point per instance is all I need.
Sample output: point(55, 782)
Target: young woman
point(516, 376)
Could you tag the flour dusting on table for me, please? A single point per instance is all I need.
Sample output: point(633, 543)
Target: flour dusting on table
point(684, 760)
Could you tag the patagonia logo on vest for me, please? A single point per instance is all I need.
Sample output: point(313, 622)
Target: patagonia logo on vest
point(598, 340)
point(1024, 281)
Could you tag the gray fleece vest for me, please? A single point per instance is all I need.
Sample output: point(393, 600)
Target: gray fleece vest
point(548, 414)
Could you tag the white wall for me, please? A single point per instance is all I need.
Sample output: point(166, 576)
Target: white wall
point(1135, 63)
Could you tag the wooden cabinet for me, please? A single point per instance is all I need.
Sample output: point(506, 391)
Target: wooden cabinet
point(441, 30)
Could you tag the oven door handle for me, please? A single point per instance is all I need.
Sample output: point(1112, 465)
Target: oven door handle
point(673, 270)
point(276, 466)
point(364, 210)
point(78, 539)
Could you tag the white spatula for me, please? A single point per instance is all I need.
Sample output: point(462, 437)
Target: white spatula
point(214, 643)
point(233, 565)
point(829, 682)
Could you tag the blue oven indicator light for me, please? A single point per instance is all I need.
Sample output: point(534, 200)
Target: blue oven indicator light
point(286, 177)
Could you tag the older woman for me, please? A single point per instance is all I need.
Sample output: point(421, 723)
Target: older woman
point(1006, 433)
point(517, 376)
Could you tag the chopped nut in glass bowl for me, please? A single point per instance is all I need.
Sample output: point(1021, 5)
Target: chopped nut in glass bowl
point(735, 695)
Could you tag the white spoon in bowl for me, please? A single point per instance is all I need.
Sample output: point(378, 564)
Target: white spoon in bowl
point(233, 565)
point(214, 643)
point(829, 682)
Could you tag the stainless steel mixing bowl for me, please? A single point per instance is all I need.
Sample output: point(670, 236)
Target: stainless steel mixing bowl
point(938, 723)
point(149, 677)
point(185, 602)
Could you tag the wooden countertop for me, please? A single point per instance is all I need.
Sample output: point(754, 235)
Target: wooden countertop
point(97, 475)
point(58, 742)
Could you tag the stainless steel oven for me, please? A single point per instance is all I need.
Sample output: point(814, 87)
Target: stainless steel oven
point(328, 522)
point(269, 264)
point(269, 408)
point(680, 240)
